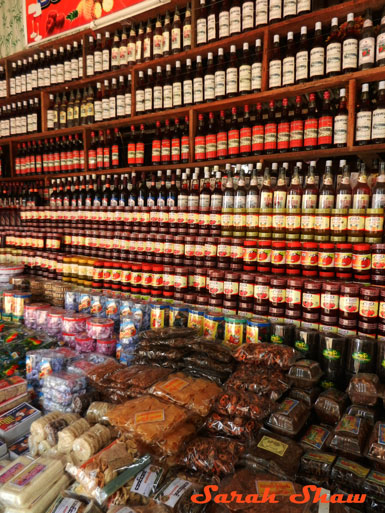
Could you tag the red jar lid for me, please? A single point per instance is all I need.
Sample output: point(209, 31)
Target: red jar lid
point(264, 243)
point(374, 292)
point(278, 282)
point(331, 286)
point(293, 245)
point(262, 280)
point(136, 267)
point(312, 285)
point(378, 247)
point(295, 282)
point(157, 268)
point(309, 245)
point(278, 244)
point(116, 265)
point(98, 263)
point(216, 274)
point(147, 267)
point(249, 243)
point(125, 266)
point(293, 272)
point(326, 245)
point(361, 247)
point(350, 288)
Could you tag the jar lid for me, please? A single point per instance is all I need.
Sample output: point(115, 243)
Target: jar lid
point(223, 240)
point(371, 211)
point(157, 268)
point(339, 211)
point(211, 315)
point(326, 245)
point(335, 238)
point(373, 240)
point(322, 211)
point(216, 274)
point(356, 211)
point(136, 267)
point(246, 277)
point(309, 245)
point(275, 310)
point(278, 244)
point(374, 292)
point(99, 321)
point(76, 317)
point(328, 319)
point(278, 282)
point(263, 280)
point(249, 242)
point(361, 247)
point(292, 236)
point(264, 243)
point(214, 301)
point(355, 239)
point(295, 282)
point(277, 211)
point(258, 321)
point(311, 285)
point(196, 311)
point(310, 316)
point(293, 245)
point(83, 337)
point(180, 269)
point(232, 276)
point(331, 286)
point(345, 246)
point(233, 319)
point(350, 288)
point(305, 236)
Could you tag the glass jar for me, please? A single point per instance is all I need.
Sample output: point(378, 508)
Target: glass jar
point(246, 288)
point(252, 222)
point(224, 250)
point(199, 280)
point(349, 301)
point(374, 225)
point(322, 224)
point(231, 286)
point(265, 223)
point(330, 299)
point(250, 255)
point(216, 284)
point(293, 224)
point(311, 298)
point(369, 304)
point(294, 295)
point(326, 260)
point(264, 256)
point(309, 259)
point(307, 224)
point(356, 225)
point(261, 293)
point(277, 293)
point(278, 221)
point(343, 258)
point(278, 257)
point(211, 247)
point(236, 255)
point(181, 280)
point(361, 262)
point(293, 258)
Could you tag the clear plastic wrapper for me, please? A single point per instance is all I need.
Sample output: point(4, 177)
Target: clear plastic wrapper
point(267, 355)
point(71, 300)
point(98, 412)
point(41, 317)
point(31, 312)
point(61, 397)
point(271, 383)
point(375, 450)
point(99, 328)
point(141, 376)
point(65, 382)
point(350, 435)
point(212, 349)
point(307, 396)
point(128, 332)
point(175, 495)
point(68, 435)
point(160, 334)
point(100, 375)
point(289, 418)
point(274, 453)
point(217, 456)
point(202, 361)
point(12, 387)
point(53, 427)
point(50, 405)
point(369, 413)
point(244, 404)
point(160, 351)
point(84, 343)
point(364, 388)
point(196, 395)
point(81, 401)
point(74, 323)
point(317, 463)
point(84, 302)
point(43, 362)
point(147, 417)
point(217, 377)
point(234, 427)
point(305, 373)
point(349, 475)
point(316, 437)
point(330, 406)
point(38, 426)
point(86, 362)
point(107, 346)
point(374, 485)
point(69, 339)
point(172, 443)
point(55, 321)
point(90, 442)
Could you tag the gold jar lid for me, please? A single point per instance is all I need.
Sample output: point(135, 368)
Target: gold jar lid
point(322, 211)
point(293, 236)
point(338, 238)
point(375, 211)
point(264, 235)
point(305, 236)
point(293, 211)
point(373, 240)
point(238, 234)
point(321, 238)
point(339, 211)
point(277, 210)
point(308, 211)
point(355, 239)
point(356, 211)
point(278, 236)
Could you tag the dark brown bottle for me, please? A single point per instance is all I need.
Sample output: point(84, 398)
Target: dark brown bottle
point(176, 33)
point(166, 35)
point(325, 123)
point(341, 122)
point(147, 43)
point(367, 45)
point(364, 117)
point(317, 54)
point(378, 127)
point(350, 47)
point(380, 42)
point(333, 51)
point(157, 39)
point(296, 127)
point(302, 58)
point(186, 31)
point(201, 27)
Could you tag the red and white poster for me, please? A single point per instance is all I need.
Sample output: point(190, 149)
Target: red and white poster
point(47, 18)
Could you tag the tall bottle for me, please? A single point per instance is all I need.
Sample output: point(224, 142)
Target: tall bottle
point(310, 190)
point(361, 192)
point(378, 125)
point(200, 140)
point(198, 81)
point(325, 123)
point(294, 191)
point(302, 58)
point(344, 190)
point(297, 127)
point(283, 129)
point(209, 79)
point(275, 11)
point(90, 67)
point(157, 39)
point(310, 136)
point(341, 122)
point(212, 22)
point(98, 55)
point(224, 19)
point(327, 193)
point(232, 73)
point(364, 117)
point(235, 17)
point(380, 42)
point(201, 22)
point(275, 65)
point(333, 50)
point(288, 62)
point(176, 33)
point(378, 191)
point(367, 44)
point(256, 68)
point(317, 54)
point(186, 29)
point(266, 191)
point(270, 137)
point(350, 47)
point(147, 43)
point(280, 190)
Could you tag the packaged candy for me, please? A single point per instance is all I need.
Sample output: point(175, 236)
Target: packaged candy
point(91, 441)
point(178, 314)
point(366, 412)
point(54, 321)
point(71, 300)
point(307, 396)
point(107, 347)
point(30, 314)
point(316, 437)
point(290, 417)
point(161, 334)
point(349, 475)
point(376, 445)
point(84, 343)
point(65, 382)
point(100, 328)
point(84, 302)
point(175, 495)
point(331, 405)
point(306, 341)
point(350, 435)
point(196, 318)
point(374, 485)
point(271, 383)
point(267, 355)
point(216, 456)
point(12, 387)
point(97, 304)
point(243, 404)
point(41, 317)
point(128, 333)
point(214, 350)
point(16, 422)
point(235, 427)
point(317, 463)
point(364, 388)
point(159, 315)
point(305, 373)
point(74, 323)
point(69, 339)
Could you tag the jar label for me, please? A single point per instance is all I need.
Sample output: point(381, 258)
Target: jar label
point(325, 259)
point(343, 260)
point(157, 318)
point(250, 254)
point(293, 222)
point(307, 222)
point(309, 258)
point(237, 252)
point(378, 261)
point(199, 281)
point(180, 281)
point(356, 223)
point(329, 301)
point(381, 312)
point(231, 288)
point(224, 250)
point(210, 250)
point(349, 304)
point(362, 262)
point(361, 357)
point(293, 296)
point(252, 334)
point(265, 221)
point(301, 345)
point(246, 290)
point(311, 300)
point(293, 257)
point(338, 223)
point(263, 255)
point(374, 224)
point(331, 354)
point(277, 295)
point(322, 222)
point(195, 320)
point(233, 334)
point(368, 308)
point(215, 287)
point(278, 257)
point(210, 328)
point(278, 222)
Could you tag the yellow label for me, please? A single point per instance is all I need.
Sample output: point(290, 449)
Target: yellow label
point(145, 417)
point(356, 223)
point(272, 445)
point(174, 385)
point(293, 222)
point(275, 487)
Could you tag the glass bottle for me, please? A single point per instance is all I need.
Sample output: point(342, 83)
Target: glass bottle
point(266, 190)
point(296, 127)
point(176, 33)
point(224, 19)
point(310, 191)
point(283, 129)
point(349, 46)
point(212, 21)
point(310, 136)
point(341, 122)
point(302, 58)
point(333, 50)
point(275, 65)
point(201, 22)
point(364, 117)
point(147, 43)
point(157, 39)
point(325, 123)
point(280, 190)
point(378, 191)
point(344, 191)
point(378, 125)
point(366, 47)
point(380, 42)
point(327, 193)
point(361, 192)
point(256, 68)
point(294, 192)
point(288, 62)
point(186, 30)
point(232, 73)
point(317, 54)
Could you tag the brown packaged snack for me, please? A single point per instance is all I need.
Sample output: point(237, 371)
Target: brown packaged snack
point(376, 446)
point(349, 475)
point(100, 374)
point(271, 383)
point(171, 353)
point(350, 435)
point(211, 349)
point(374, 485)
point(200, 360)
point(316, 437)
point(305, 373)
point(368, 413)
point(331, 405)
point(316, 463)
point(364, 388)
point(274, 453)
point(141, 376)
point(171, 443)
point(267, 355)
point(290, 417)
point(307, 396)
point(159, 335)
point(216, 456)
point(244, 404)
point(195, 394)
point(235, 427)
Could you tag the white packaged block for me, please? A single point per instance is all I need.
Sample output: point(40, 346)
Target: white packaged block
point(15, 423)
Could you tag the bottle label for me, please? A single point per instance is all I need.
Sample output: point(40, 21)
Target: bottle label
point(231, 80)
point(244, 78)
point(177, 94)
point(186, 36)
point(222, 144)
point(325, 130)
point(261, 10)
point(209, 85)
point(296, 134)
point(378, 200)
point(106, 108)
point(349, 54)
point(187, 92)
point(288, 70)
point(311, 132)
point(220, 83)
point(270, 136)
point(167, 96)
point(156, 150)
point(279, 201)
point(198, 89)
point(303, 6)
point(289, 8)
point(89, 66)
point(380, 47)
point(201, 31)
point(256, 76)
point(275, 10)
point(247, 15)
point(302, 65)
point(349, 304)
point(98, 62)
point(338, 223)
point(147, 48)
point(175, 149)
point(166, 150)
point(224, 24)
point(157, 42)
point(91, 159)
point(368, 308)
point(99, 158)
point(275, 74)
point(158, 97)
point(233, 142)
point(211, 28)
point(266, 202)
point(106, 60)
point(200, 147)
point(139, 153)
point(361, 200)
point(235, 20)
point(363, 126)
point(333, 58)
point(60, 72)
point(325, 201)
point(340, 129)
point(211, 146)
point(165, 44)
point(138, 50)
point(139, 100)
point(283, 135)
point(185, 147)
point(366, 51)
point(176, 39)
point(245, 140)
point(112, 107)
point(120, 106)
point(378, 124)
point(257, 138)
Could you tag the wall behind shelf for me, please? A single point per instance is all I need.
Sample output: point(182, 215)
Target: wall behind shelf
point(12, 37)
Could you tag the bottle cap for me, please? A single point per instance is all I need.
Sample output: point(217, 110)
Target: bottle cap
point(381, 85)
point(233, 49)
point(220, 52)
point(276, 38)
point(245, 46)
point(365, 88)
point(318, 25)
point(304, 29)
point(210, 55)
point(350, 16)
point(334, 21)
point(290, 35)
point(258, 42)
point(343, 92)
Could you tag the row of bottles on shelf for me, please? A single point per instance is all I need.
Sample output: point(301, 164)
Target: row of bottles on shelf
point(20, 118)
point(224, 78)
point(3, 82)
point(217, 20)
point(319, 185)
point(91, 105)
point(350, 47)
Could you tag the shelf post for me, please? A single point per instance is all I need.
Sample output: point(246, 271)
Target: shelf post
point(351, 112)
point(265, 58)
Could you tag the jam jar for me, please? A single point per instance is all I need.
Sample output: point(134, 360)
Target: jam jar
point(326, 260)
point(294, 296)
point(261, 294)
point(356, 225)
point(369, 304)
point(378, 262)
point(246, 287)
point(231, 286)
point(330, 298)
point(374, 225)
point(278, 257)
point(338, 224)
point(293, 258)
point(250, 255)
point(311, 297)
point(349, 301)
point(309, 259)
point(343, 258)
point(216, 284)
point(277, 296)
point(362, 262)
point(236, 254)
point(264, 256)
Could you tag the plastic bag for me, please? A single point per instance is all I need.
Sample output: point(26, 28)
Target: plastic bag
point(364, 389)
point(244, 404)
point(172, 333)
point(141, 376)
point(376, 446)
point(267, 355)
point(213, 350)
point(200, 360)
point(316, 463)
point(331, 405)
point(271, 383)
point(290, 417)
point(98, 412)
point(305, 373)
point(307, 396)
point(349, 475)
point(350, 435)
point(316, 437)
point(235, 427)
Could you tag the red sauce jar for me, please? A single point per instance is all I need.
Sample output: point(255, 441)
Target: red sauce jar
point(224, 250)
point(343, 258)
point(369, 305)
point(278, 257)
point(378, 262)
point(277, 293)
point(236, 255)
point(326, 260)
point(349, 301)
point(181, 280)
point(309, 259)
point(250, 255)
point(293, 258)
point(330, 299)
point(246, 288)
point(294, 295)
point(264, 256)
point(261, 292)
point(311, 297)
point(362, 262)
point(216, 284)
point(211, 249)
point(231, 286)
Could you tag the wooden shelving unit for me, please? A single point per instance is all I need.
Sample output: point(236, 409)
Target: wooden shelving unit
point(351, 81)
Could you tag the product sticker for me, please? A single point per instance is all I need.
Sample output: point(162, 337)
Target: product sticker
point(381, 434)
point(20, 446)
point(13, 417)
point(28, 475)
point(301, 345)
point(174, 385)
point(275, 487)
point(353, 467)
point(376, 478)
point(171, 494)
point(68, 505)
point(316, 436)
point(288, 406)
point(349, 424)
point(272, 445)
point(360, 356)
point(146, 417)
point(331, 354)
point(147, 480)
point(322, 457)
point(11, 472)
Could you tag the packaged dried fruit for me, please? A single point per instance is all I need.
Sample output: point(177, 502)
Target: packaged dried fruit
point(369, 413)
point(305, 373)
point(349, 475)
point(350, 435)
point(316, 437)
point(235, 427)
point(331, 405)
point(142, 376)
point(214, 350)
point(374, 485)
point(175, 495)
point(290, 417)
point(244, 404)
point(216, 456)
point(271, 383)
point(364, 388)
point(376, 445)
point(307, 396)
point(267, 355)
point(195, 394)
point(160, 334)
point(317, 463)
